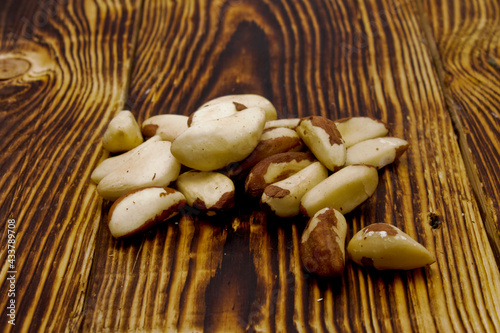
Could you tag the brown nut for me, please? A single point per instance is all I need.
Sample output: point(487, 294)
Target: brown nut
point(384, 246)
point(344, 190)
point(167, 126)
point(123, 133)
point(273, 141)
point(322, 245)
point(210, 192)
point(153, 165)
point(357, 129)
point(378, 152)
point(142, 209)
point(283, 197)
point(275, 168)
point(323, 139)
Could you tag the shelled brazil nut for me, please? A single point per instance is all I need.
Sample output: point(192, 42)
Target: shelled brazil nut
point(141, 209)
point(167, 126)
point(272, 141)
point(344, 190)
point(123, 133)
point(210, 192)
point(378, 152)
point(153, 165)
point(275, 168)
point(114, 162)
point(216, 143)
point(314, 166)
point(384, 246)
point(324, 140)
point(357, 129)
point(322, 244)
point(283, 197)
point(243, 101)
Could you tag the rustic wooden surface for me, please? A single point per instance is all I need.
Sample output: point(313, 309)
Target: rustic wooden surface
point(471, 80)
point(52, 118)
point(241, 272)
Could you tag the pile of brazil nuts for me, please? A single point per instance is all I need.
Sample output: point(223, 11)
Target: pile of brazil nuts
point(312, 166)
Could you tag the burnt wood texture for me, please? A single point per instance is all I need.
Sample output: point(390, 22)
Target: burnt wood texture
point(428, 69)
point(466, 51)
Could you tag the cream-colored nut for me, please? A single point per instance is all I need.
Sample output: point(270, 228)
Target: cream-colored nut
point(344, 190)
point(291, 123)
point(142, 209)
point(384, 246)
point(210, 192)
point(283, 197)
point(213, 112)
point(167, 126)
point(275, 168)
point(247, 100)
point(113, 163)
point(123, 133)
point(378, 152)
point(322, 245)
point(153, 165)
point(322, 137)
point(273, 141)
point(357, 129)
point(217, 143)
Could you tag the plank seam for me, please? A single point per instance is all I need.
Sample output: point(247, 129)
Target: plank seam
point(485, 208)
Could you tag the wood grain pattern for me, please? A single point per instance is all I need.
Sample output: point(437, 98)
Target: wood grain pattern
point(471, 81)
point(79, 57)
point(309, 57)
point(240, 271)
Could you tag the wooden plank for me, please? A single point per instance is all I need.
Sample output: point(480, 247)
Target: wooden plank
point(467, 39)
point(242, 272)
point(52, 115)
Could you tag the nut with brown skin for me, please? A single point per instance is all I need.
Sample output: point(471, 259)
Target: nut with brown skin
point(275, 168)
point(142, 209)
point(214, 144)
point(384, 246)
point(357, 129)
point(322, 244)
point(344, 190)
point(153, 165)
point(210, 192)
point(113, 163)
point(283, 197)
point(290, 123)
point(123, 133)
point(323, 139)
point(167, 126)
point(273, 141)
point(378, 152)
point(213, 112)
point(241, 101)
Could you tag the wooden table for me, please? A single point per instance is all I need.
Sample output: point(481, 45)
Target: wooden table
point(430, 69)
